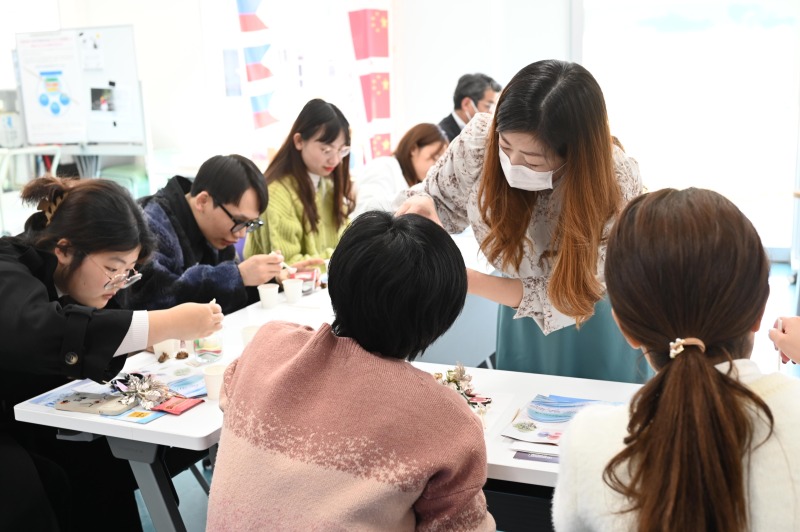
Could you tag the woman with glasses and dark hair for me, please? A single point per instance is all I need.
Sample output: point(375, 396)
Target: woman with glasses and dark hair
point(540, 183)
point(60, 321)
point(309, 184)
point(384, 178)
point(196, 225)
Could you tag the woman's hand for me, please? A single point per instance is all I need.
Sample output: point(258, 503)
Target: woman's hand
point(184, 322)
point(785, 335)
point(422, 205)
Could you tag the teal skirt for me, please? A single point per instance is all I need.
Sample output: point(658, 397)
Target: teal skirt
point(596, 351)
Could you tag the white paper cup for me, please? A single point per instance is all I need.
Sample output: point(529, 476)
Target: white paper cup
point(293, 288)
point(170, 347)
point(213, 376)
point(248, 333)
point(268, 293)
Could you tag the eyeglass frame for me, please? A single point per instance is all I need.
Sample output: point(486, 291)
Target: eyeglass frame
point(120, 281)
point(328, 150)
point(249, 225)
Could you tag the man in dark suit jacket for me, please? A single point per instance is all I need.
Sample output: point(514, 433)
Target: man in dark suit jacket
point(475, 93)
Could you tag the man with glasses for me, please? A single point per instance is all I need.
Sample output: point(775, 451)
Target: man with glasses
point(475, 93)
point(197, 225)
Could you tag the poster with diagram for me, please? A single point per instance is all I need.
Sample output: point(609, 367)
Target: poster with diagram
point(80, 86)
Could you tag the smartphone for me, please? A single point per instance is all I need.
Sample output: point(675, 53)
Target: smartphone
point(114, 406)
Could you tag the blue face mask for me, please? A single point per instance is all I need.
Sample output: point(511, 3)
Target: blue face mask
point(524, 178)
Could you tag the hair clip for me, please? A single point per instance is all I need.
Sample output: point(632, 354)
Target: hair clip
point(676, 347)
point(50, 207)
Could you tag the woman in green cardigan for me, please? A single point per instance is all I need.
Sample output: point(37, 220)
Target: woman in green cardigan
point(309, 188)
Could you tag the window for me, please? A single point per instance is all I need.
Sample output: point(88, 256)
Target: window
point(705, 93)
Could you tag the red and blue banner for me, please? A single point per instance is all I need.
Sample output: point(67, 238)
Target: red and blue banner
point(248, 18)
point(261, 114)
point(252, 60)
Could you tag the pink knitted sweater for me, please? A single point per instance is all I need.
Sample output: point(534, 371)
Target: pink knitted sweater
point(320, 434)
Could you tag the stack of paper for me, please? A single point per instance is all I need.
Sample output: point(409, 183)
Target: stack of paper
point(538, 427)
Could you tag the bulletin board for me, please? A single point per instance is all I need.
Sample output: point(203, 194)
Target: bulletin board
point(80, 86)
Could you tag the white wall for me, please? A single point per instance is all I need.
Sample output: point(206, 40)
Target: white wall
point(179, 45)
point(434, 43)
point(33, 15)
point(168, 41)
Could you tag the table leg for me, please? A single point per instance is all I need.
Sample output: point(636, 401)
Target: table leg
point(4, 162)
point(154, 482)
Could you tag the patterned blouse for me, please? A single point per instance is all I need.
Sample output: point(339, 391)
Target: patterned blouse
point(453, 184)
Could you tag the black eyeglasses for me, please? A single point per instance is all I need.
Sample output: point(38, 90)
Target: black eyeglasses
point(238, 225)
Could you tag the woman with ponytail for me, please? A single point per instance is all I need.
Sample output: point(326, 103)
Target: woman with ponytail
point(709, 443)
point(60, 321)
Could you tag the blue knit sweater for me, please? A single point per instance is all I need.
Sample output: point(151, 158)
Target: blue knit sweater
point(184, 267)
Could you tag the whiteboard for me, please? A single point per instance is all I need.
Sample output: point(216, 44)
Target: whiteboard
point(80, 86)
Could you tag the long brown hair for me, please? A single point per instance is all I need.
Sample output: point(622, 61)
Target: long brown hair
point(562, 106)
point(687, 264)
point(417, 137)
point(317, 116)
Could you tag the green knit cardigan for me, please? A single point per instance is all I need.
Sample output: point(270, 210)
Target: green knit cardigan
point(284, 228)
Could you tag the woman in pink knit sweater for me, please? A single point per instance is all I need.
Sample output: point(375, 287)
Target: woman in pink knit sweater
point(333, 429)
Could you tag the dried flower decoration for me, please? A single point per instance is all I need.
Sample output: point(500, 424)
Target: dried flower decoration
point(459, 380)
point(142, 388)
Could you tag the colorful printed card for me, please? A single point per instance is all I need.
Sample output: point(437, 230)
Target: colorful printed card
point(139, 415)
point(545, 418)
point(177, 405)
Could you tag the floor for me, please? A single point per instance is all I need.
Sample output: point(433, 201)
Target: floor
point(782, 302)
point(193, 502)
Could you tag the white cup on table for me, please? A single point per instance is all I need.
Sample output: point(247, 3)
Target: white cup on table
point(248, 333)
point(293, 288)
point(213, 376)
point(268, 292)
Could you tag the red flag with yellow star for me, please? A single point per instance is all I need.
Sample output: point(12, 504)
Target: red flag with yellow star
point(381, 145)
point(370, 31)
point(375, 88)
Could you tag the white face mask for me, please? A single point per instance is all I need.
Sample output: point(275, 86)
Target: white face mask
point(475, 107)
point(523, 177)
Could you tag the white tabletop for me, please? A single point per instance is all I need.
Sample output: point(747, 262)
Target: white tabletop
point(200, 427)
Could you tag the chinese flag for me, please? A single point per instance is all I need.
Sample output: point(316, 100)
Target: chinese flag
point(381, 145)
point(370, 31)
point(375, 88)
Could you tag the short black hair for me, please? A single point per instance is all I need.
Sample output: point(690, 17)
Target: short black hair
point(396, 283)
point(227, 177)
point(473, 86)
